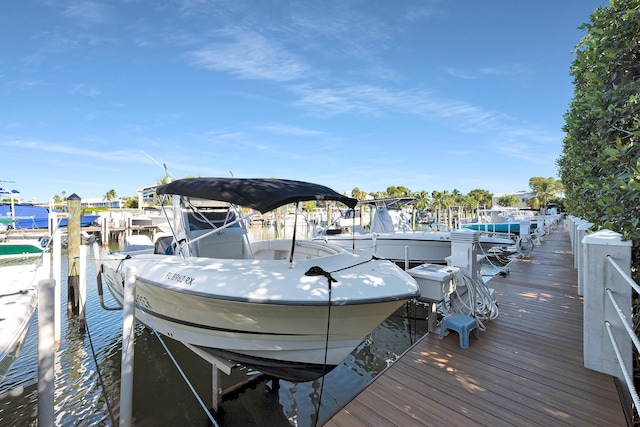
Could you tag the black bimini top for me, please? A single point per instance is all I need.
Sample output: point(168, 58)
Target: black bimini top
point(261, 194)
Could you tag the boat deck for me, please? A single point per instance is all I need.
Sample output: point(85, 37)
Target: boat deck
point(526, 369)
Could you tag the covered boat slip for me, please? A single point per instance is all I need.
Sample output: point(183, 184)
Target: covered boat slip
point(526, 368)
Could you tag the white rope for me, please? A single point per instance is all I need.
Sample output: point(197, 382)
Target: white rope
point(479, 302)
point(525, 245)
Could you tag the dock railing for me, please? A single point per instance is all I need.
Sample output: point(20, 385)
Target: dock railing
point(603, 261)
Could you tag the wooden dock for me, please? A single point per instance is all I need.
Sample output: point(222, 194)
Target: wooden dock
point(526, 368)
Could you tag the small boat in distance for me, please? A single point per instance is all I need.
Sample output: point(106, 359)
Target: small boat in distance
point(291, 308)
point(22, 216)
point(502, 220)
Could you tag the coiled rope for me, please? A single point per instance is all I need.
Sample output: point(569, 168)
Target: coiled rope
point(479, 302)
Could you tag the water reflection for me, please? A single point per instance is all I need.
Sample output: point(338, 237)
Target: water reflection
point(160, 395)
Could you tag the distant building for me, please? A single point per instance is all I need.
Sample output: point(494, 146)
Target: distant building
point(523, 195)
point(147, 196)
point(98, 202)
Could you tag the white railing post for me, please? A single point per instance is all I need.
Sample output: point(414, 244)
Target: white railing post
point(569, 224)
point(575, 243)
point(599, 354)
point(581, 232)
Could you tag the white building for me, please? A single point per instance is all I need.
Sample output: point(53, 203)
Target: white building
point(98, 202)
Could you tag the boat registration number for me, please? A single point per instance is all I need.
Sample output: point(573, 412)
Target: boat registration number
point(179, 278)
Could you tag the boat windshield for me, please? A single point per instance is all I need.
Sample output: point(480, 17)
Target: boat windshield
point(212, 216)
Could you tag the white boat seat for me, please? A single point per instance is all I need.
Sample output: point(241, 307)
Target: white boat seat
point(228, 244)
point(280, 249)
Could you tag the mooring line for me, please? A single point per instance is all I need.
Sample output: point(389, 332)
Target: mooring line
point(175, 362)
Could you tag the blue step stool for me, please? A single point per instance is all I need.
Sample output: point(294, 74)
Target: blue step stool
point(462, 324)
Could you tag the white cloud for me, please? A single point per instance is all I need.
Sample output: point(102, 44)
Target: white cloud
point(86, 90)
point(290, 130)
point(250, 55)
point(87, 13)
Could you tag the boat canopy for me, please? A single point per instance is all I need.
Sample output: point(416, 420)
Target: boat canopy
point(261, 194)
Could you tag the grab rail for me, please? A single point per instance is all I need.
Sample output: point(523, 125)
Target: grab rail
point(628, 327)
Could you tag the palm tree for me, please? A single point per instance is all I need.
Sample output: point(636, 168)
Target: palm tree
point(110, 195)
point(470, 204)
point(448, 202)
point(482, 196)
point(360, 195)
point(545, 189)
point(398, 191)
point(421, 203)
point(437, 202)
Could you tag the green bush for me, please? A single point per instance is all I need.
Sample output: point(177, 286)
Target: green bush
point(600, 163)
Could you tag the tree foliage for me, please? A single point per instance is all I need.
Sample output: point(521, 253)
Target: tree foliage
point(483, 197)
point(600, 166)
point(110, 195)
point(546, 189)
point(508, 200)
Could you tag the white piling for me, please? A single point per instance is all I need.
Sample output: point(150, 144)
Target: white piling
point(46, 353)
point(56, 271)
point(82, 284)
point(96, 256)
point(104, 230)
point(129, 225)
point(216, 387)
point(581, 232)
point(128, 339)
point(406, 258)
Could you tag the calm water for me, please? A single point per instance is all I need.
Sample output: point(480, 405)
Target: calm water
point(161, 397)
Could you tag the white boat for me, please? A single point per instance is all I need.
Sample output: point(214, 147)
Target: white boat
point(293, 308)
point(18, 301)
point(394, 239)
point(352, 217)
point(503, 220)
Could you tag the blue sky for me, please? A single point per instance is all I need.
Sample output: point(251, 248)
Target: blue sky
point(430, 94)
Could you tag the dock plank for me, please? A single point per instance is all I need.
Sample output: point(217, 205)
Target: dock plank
point(527, 368)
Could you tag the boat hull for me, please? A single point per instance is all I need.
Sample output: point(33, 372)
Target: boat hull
point(18, 301)
point(264, 313)
point(432, 247)
point(29, 217)
point(20, 249)
point(498, 227)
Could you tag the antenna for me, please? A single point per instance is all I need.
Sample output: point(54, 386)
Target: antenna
point(166, 171)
